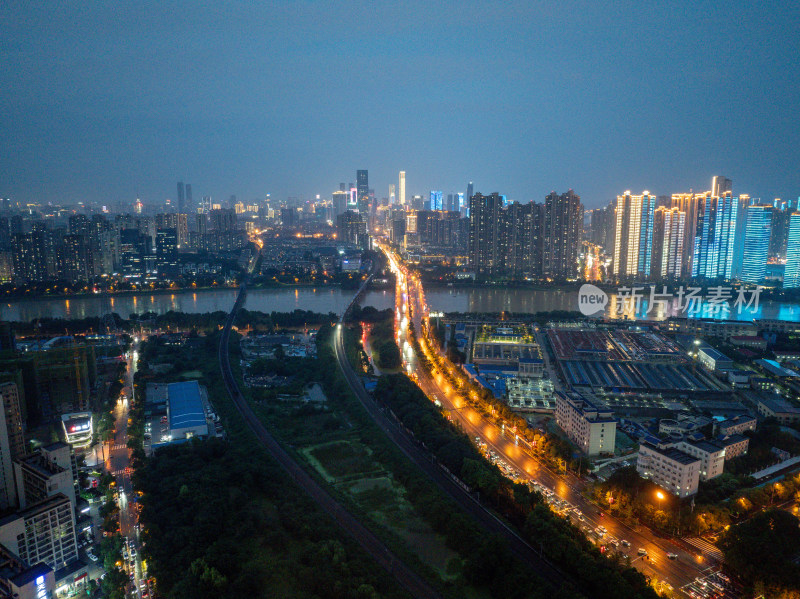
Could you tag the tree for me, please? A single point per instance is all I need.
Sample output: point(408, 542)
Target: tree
point(773, 536)
point(389, 355)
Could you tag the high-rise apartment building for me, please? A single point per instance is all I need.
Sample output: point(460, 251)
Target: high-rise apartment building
point(758, 225)
point(485, 229)
point(633, 234)
point(43, 532)
point(401, 188)
point(523, 239)
point(791, 273)
point(351, 228)
point(780, 229)
point(563, 232)
point(12, 441)
point(687, 203)
point(715, 235)
point(668, 238)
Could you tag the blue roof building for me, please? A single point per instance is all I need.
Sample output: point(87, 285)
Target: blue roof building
point(185, 411)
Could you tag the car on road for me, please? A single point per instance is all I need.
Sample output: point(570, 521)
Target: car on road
point(672, 556)
point(625, 543)
point(90, 554)
point(642, 551)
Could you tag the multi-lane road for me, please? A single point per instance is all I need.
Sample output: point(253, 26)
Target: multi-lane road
point(513, 451)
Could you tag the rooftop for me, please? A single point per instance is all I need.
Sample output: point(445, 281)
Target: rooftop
point(676, 455)
point(779, 405)
point(185, 405)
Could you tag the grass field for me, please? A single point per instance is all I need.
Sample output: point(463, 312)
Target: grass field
point(342, 458)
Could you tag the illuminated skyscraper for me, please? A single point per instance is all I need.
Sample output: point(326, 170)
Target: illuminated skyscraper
point(715, 236)
point(392, 196)
point(791, 275)
point(362, 190)
point(687, 203)
point(633, 234)
point(401, 188)
point(668, 237)
point(758, 224)
point(720, 186)
point(470, 191)
point(436, 200)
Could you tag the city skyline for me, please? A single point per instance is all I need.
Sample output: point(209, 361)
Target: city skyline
point(258, 113)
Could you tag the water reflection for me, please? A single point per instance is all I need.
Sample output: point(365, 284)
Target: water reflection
point(335, 300)
point(542, 300)
point(265, 300)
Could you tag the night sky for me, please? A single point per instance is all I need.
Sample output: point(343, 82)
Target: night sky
point(104, 104)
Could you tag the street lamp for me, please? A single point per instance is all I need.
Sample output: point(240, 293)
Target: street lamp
point(660, 497)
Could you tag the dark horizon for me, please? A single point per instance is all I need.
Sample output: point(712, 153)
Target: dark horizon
point(107, 104)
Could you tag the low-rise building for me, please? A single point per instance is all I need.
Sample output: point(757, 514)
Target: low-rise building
point(593, 430)
point(736, 425)
point(738, 377)
point(775, 369)
point(761, 383)
point(710, 327)
point(713, 359)
point(18, 580)
point(781, 409)
point(671, 469)
point(751, 341)
point(711, 456)
point(735, 445)
point(185, 411)
point(531, 395)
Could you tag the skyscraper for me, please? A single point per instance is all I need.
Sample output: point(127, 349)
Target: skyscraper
point(402, 188)
point(758, 224)
point(470, 191)
point(339, 203)
point(720, 186)
point(362, 190)
point(484, 233)
point(687, 203)
point(392, 197)
point(780, 228)
point(791, 275)
point(181, 197)
point(436, 200)
point(563, 231)
point(633, 234)
point(668, 238)
point(715, 236)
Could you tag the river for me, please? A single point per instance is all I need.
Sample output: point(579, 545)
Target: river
point(195, 302)
point(478, 299)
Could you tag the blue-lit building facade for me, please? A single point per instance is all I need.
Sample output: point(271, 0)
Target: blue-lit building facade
point(715, 236)
point(758, 227)
point(791, 275)
point(436, 200)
